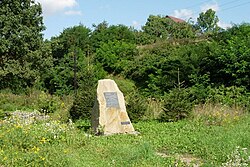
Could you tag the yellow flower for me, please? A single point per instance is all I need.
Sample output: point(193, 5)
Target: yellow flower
point(43, 140)
point(36, 149)
point(42, 158)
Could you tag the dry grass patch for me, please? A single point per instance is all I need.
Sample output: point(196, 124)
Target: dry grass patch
point(218, 114)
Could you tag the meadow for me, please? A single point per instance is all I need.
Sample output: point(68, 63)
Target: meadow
point(189, 142)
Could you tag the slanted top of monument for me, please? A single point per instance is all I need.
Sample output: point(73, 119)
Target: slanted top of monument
point(106, 81)
point(107, 85)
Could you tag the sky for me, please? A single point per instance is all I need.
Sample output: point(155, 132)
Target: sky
point(61, 14)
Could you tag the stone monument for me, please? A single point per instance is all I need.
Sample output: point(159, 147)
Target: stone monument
point(109, 115)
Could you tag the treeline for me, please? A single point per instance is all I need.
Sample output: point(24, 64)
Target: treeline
point(181, 63)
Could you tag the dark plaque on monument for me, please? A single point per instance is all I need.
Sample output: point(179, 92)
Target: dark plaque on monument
point(111, 99)
point(125, 123)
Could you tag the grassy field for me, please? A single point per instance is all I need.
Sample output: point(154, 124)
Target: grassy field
point(184, 143)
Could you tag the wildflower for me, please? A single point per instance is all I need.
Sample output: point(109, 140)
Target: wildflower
point(42, 158)
point(36, 149)
point(43, 140)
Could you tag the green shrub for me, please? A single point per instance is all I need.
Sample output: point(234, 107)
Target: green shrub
point(83, 104)
point(57, 107)
point(177, 105)
point(12, 102)
point(48, 103)
point(136, 106)
point(62, 112)
point(199, 93)
point(232, 96)
point(125, 85)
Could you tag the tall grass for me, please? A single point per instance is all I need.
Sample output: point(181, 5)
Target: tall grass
point(218, 114)
point(36, 100)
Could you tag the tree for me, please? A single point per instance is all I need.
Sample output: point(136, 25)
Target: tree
point(73, 59)
point(104, 33)
point(76, 36)
point(115, 56)
point(156, 26)
point(234, 56)
point(208, 22)
point(161, 27)
point(21, 24)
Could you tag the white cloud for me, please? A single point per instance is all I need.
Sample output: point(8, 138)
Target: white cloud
point(51, 7)
point(224, 25)
point(214, 6)
point(73, 12)
point(183, 14)
point(135, 24)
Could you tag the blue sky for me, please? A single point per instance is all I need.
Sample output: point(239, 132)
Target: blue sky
point(61, 14)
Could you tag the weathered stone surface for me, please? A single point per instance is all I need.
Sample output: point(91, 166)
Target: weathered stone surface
point(109, 114)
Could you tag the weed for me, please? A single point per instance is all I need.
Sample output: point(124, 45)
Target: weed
point(217, 114)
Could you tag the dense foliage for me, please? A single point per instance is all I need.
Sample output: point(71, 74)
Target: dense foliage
point(160, 60)
point(22, 57)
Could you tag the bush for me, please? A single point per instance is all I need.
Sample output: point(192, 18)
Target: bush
point(136, 106)
point(177, 105)
point(48, 103)
point(12, 102)
point(232, 96)
point(57, 107)
point(86, 93)
point(83, 104)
